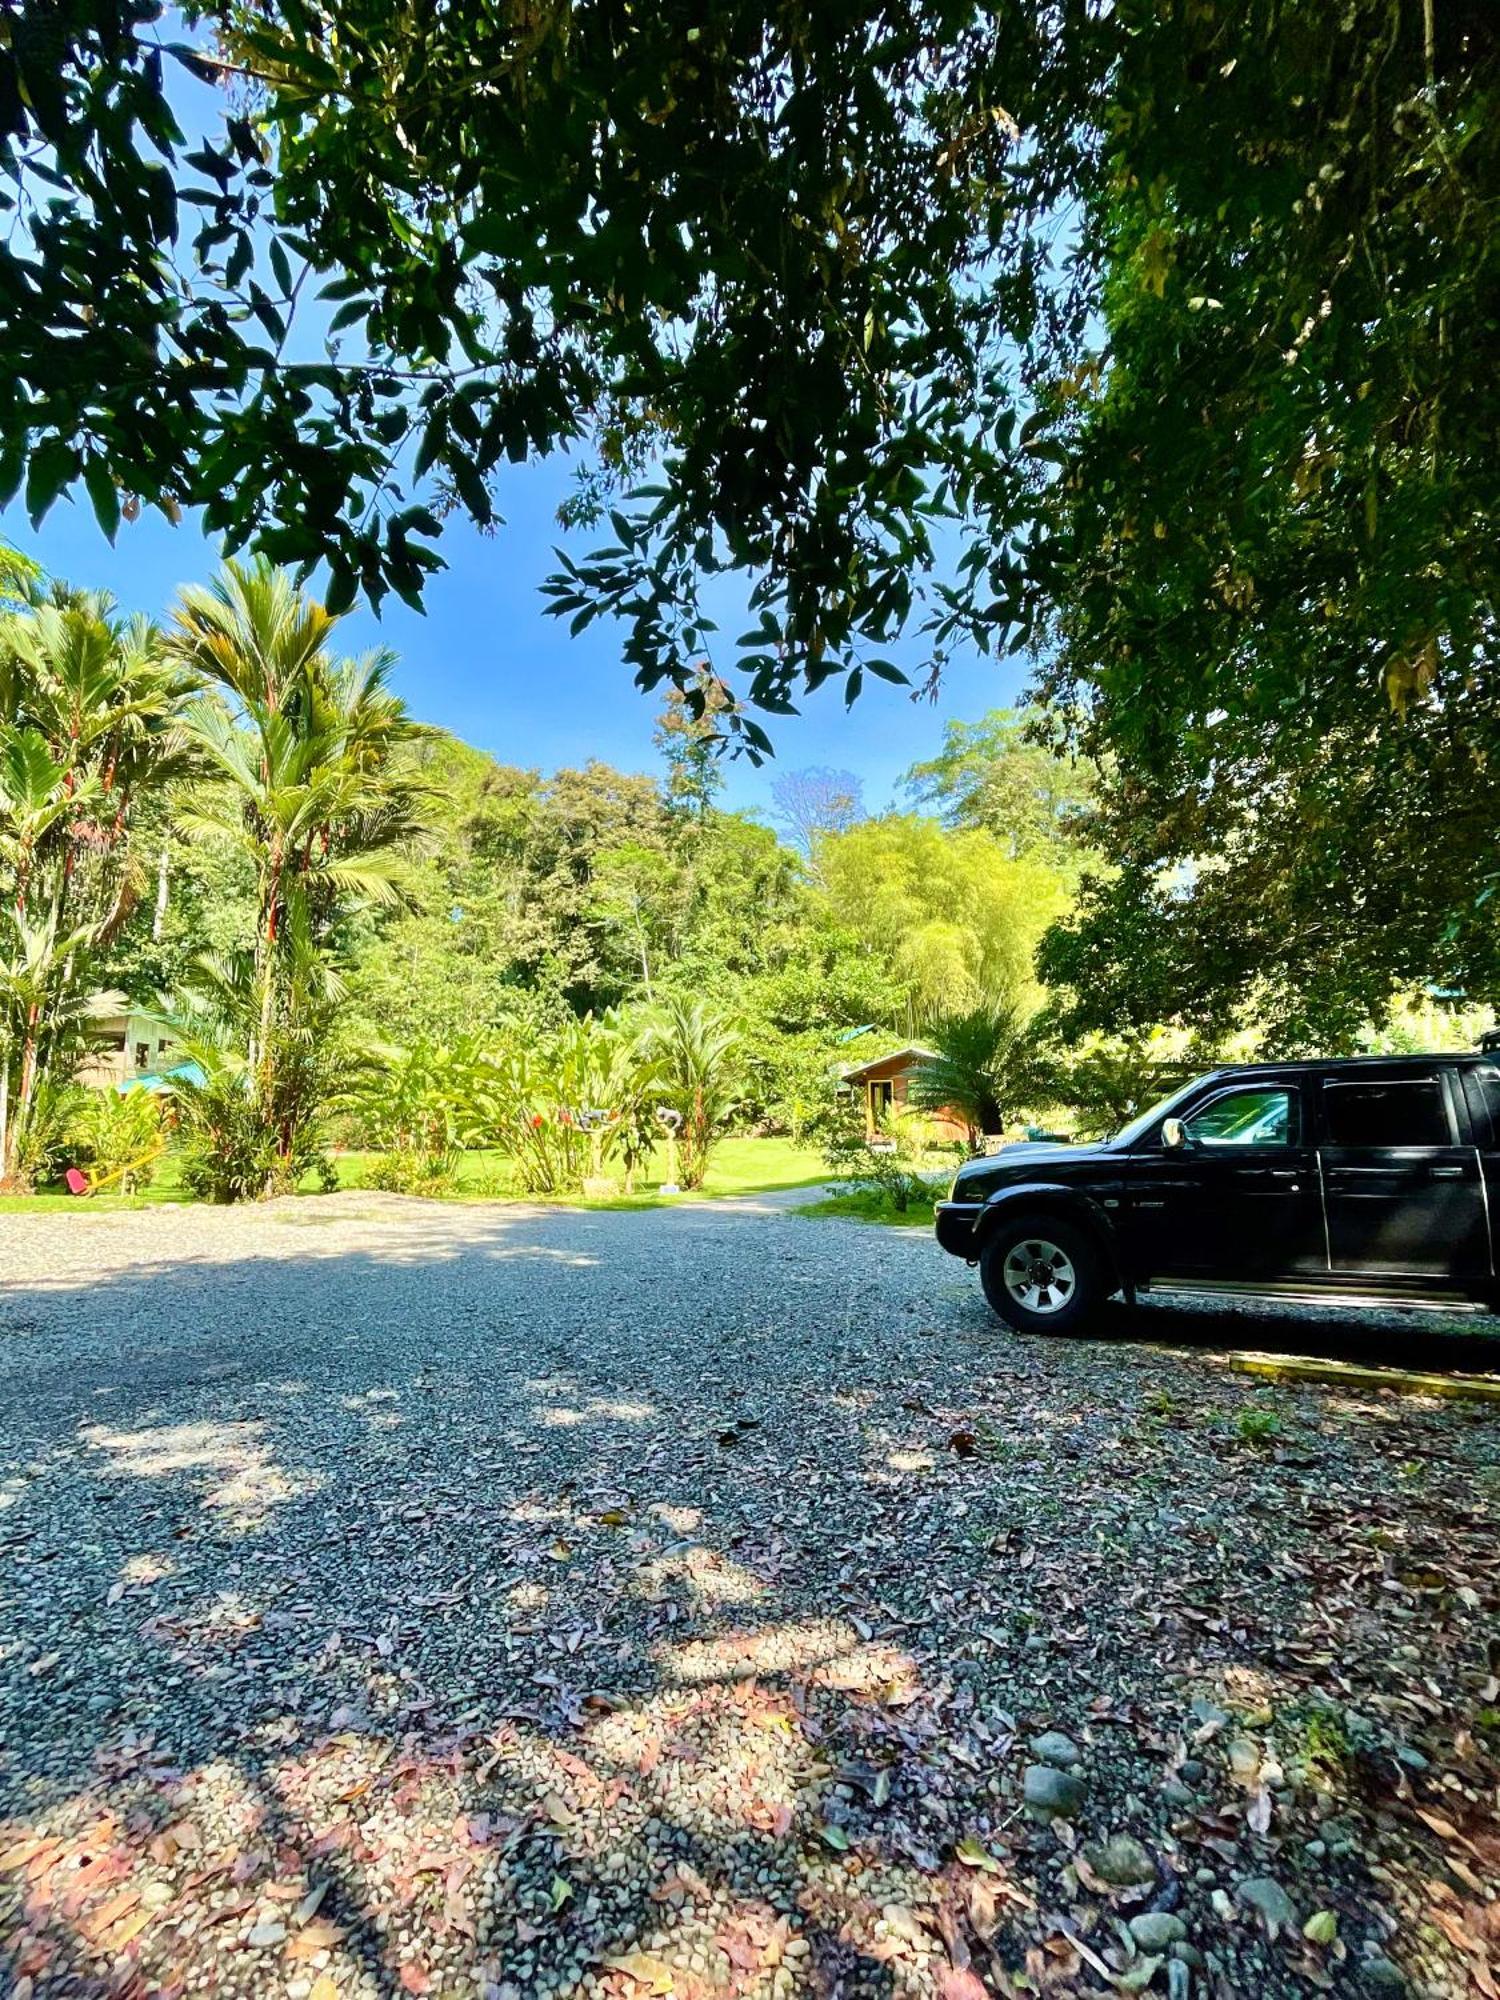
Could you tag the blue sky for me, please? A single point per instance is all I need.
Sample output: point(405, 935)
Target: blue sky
point(486, 662)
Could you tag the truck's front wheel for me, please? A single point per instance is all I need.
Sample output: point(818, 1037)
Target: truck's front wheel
point(1042, 1274)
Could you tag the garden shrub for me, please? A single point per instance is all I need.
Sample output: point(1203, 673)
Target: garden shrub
point(118, 1136)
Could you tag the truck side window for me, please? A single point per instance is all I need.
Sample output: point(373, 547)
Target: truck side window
point(1245, 1118)
point(1400, 1113)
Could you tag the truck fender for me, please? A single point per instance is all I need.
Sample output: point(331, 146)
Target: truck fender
point(1076, 1204)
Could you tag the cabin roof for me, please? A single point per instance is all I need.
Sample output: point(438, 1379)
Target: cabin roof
point(891, 1063)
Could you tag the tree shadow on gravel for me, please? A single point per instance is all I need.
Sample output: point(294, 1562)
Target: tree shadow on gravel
point(1414, 1340)
point(384, 1620)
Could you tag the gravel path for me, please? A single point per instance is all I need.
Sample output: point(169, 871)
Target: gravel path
point(399, 1598)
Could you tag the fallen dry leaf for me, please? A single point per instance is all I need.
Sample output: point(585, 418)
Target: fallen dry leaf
point(653, 1973)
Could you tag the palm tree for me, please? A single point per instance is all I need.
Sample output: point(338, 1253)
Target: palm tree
point(982, 1068)
point(89, 726)
point(310, 788)
point(694, 1052)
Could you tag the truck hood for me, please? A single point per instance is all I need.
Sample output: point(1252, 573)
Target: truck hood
point(1024, 1161)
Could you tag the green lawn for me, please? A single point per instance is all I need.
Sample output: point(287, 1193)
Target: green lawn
point(739, 1165)
point(869, 1205)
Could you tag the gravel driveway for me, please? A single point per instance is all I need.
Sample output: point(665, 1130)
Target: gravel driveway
point(404, 1598)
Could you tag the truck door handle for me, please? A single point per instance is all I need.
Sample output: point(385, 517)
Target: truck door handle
point(1447, 1173)
point(1282, 1174)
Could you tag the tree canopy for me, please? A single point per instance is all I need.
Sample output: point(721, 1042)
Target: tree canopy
point(733, 245)
point(1274, 538)
point(1152, 338)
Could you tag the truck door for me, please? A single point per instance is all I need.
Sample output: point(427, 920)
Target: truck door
point(1402, 1194)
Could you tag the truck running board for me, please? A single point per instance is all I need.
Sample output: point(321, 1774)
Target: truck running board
point(1316, 1295)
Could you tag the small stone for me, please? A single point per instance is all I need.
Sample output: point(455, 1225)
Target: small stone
point(1271, 1903)
point(1244, 1759)
point(1189, 1954)
point(1191, 1770)
point(1223, 1908)
point(1179, 1980)
point(1157, 1930)
point(904, 1923)
point(1121, 1861)
point(1056, 1749)
point(1315, 1850)
point(1053, 1794)
point(1205, 1711)
point(1204, 1877)
point(1178, 1795)
point(265, 1935)
point(1378, 1975)
point(1412, 1759)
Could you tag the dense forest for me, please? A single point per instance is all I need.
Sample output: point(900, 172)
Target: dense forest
point(350, 924)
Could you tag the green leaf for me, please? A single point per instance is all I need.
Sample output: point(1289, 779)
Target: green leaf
point(53, 466)
point(471, 490)
point(974, 1855)
point(356, 309)
point(105, 495)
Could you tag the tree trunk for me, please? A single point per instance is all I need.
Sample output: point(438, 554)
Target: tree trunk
point(159, 914)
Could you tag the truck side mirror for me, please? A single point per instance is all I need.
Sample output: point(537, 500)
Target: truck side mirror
point(1174, 1136)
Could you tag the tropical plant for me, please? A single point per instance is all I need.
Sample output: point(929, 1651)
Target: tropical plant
point(429, 1098)
point(310, 789)
point(421, 1106)
point(533, 1124)
point(564, 1105)
point(89, 730)
point(895, 1167)
point(257, 1116)
point(120, 1135)
point(696, 1054)
point(982, 1070)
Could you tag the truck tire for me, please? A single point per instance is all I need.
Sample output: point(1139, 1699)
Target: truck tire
point(1043, 1274)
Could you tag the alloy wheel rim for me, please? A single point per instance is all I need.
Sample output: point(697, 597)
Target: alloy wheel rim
point(1040, 1276)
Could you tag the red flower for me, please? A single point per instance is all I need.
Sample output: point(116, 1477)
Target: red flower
point(537, 1121)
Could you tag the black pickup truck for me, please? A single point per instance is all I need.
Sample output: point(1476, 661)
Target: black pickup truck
point(1365, 1180)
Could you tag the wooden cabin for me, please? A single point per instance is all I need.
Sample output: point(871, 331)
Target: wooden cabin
point(127, 1042)
point(883, 1086)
